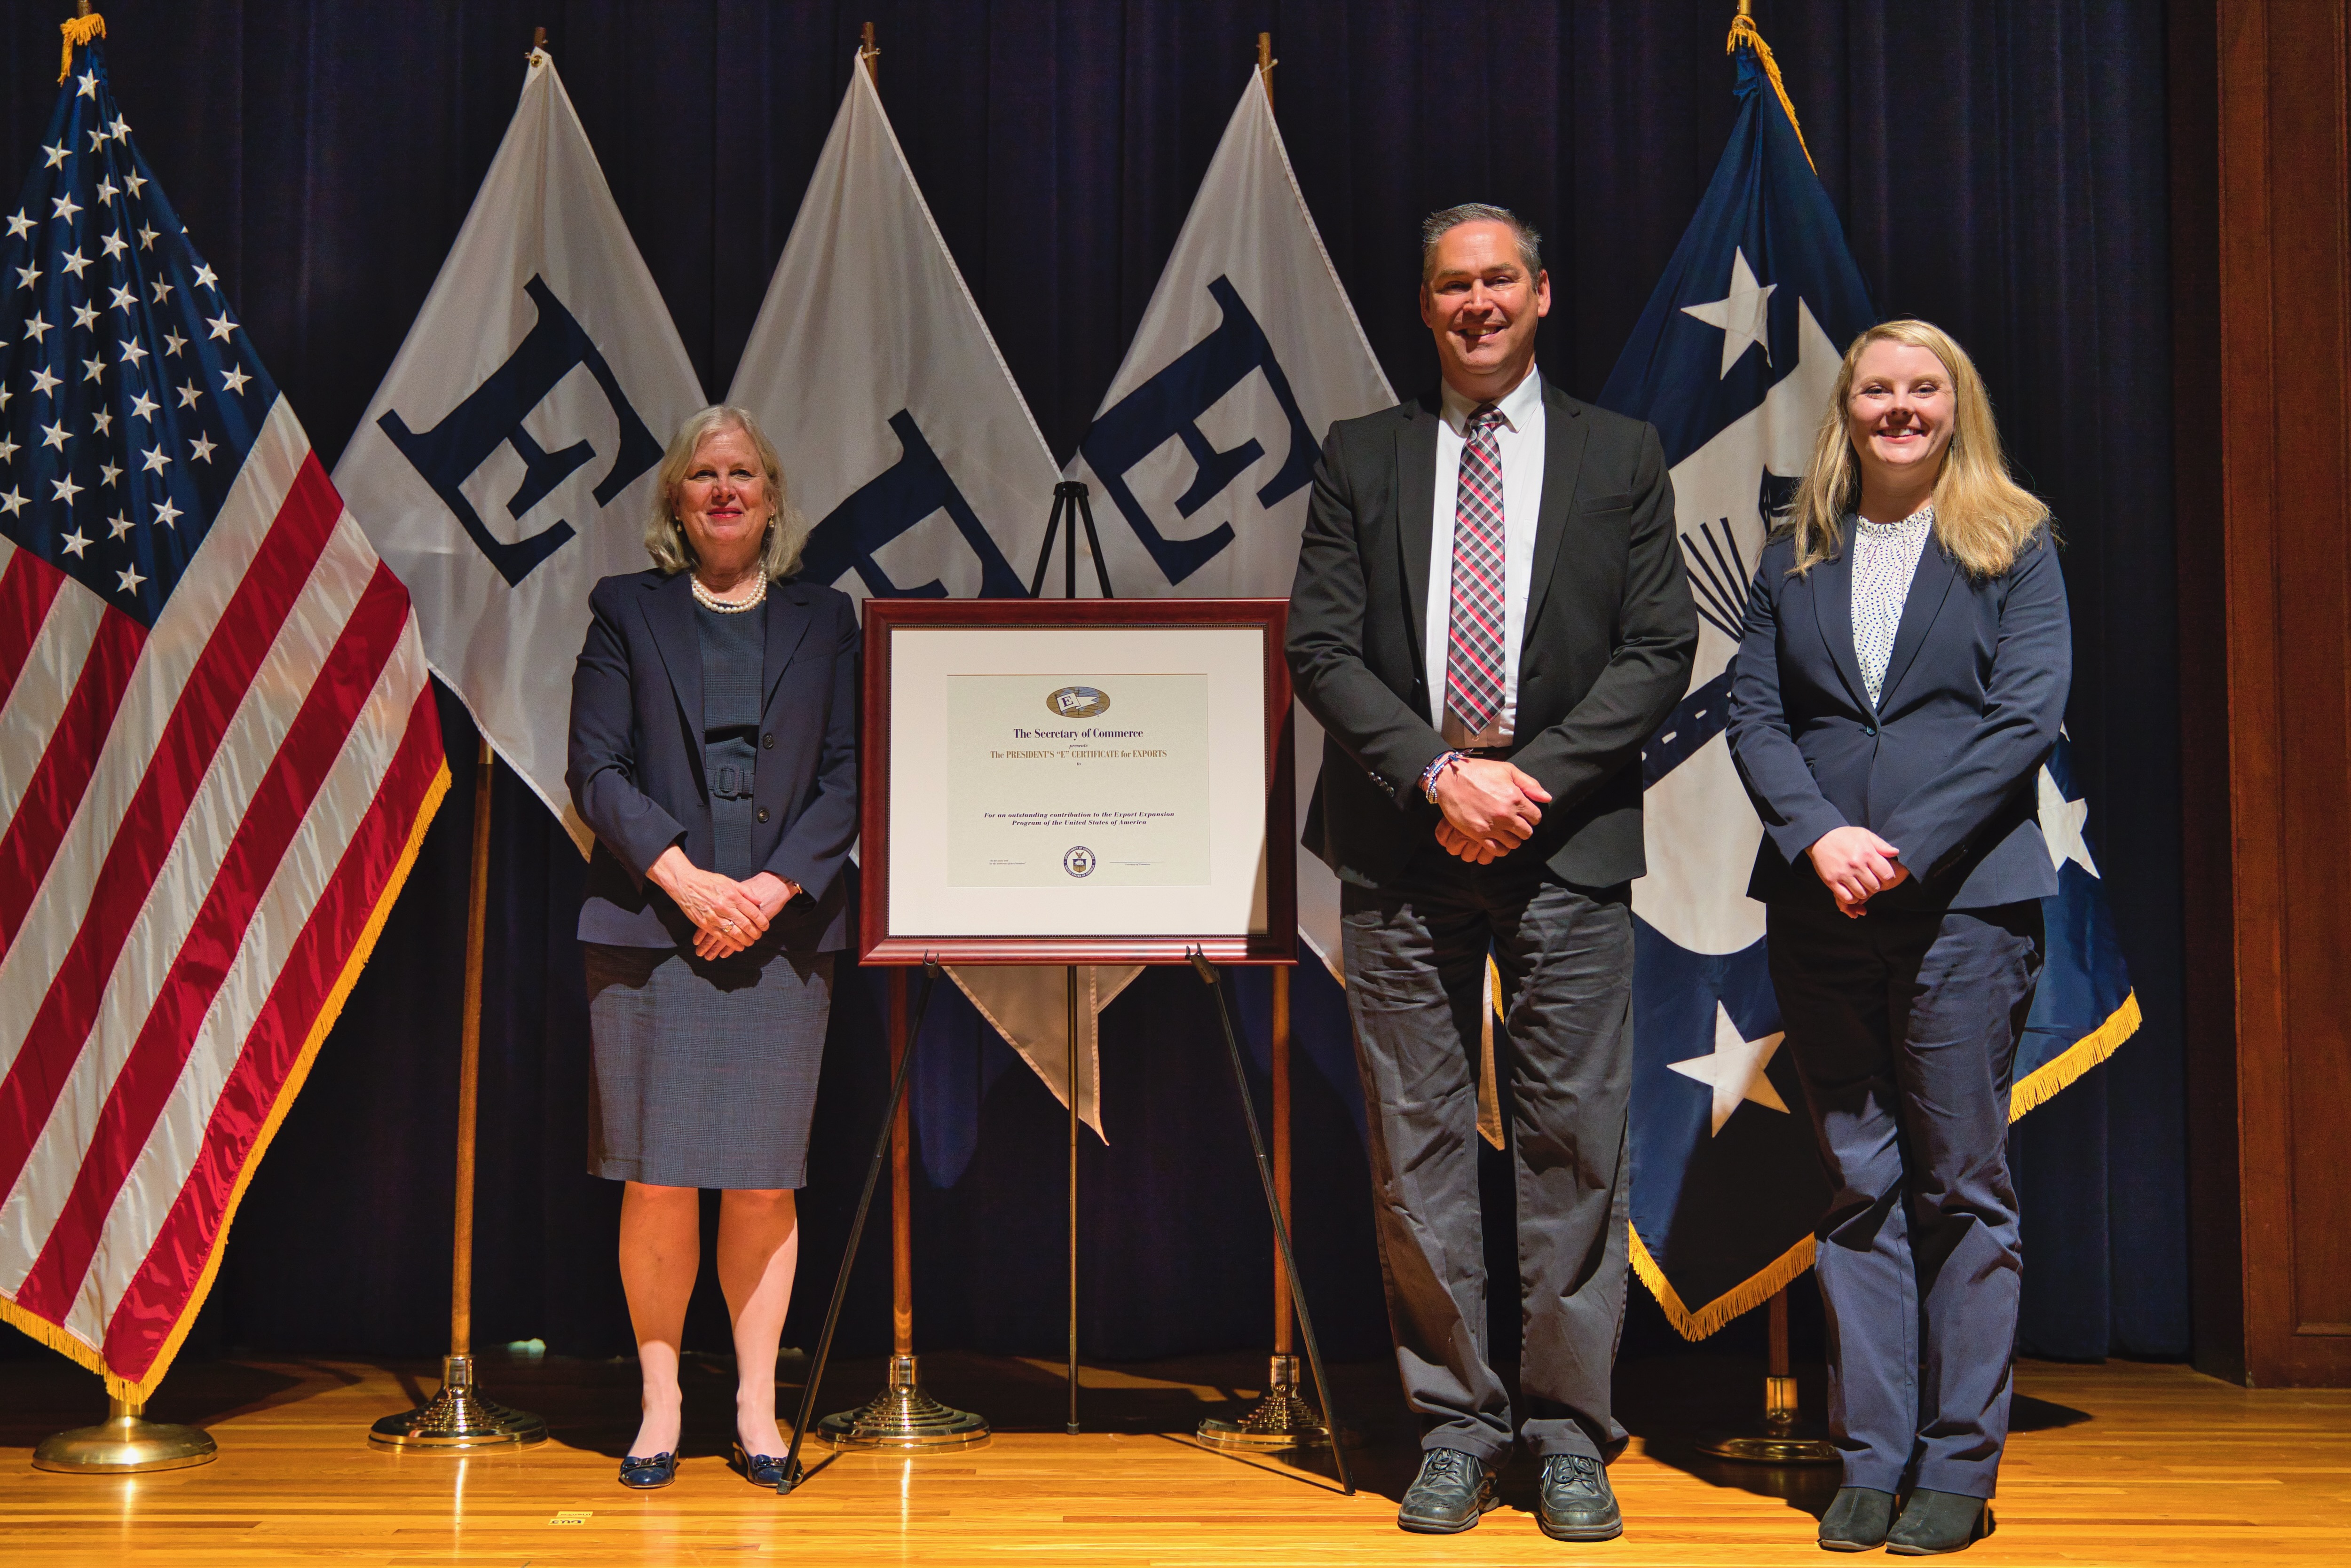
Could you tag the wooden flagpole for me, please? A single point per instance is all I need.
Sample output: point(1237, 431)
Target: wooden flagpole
point(457, 1418)
point(1282, 1418)
point(902, 1415)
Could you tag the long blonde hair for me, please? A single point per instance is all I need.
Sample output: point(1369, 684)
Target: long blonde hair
point(665, 540)
point(1983, 517)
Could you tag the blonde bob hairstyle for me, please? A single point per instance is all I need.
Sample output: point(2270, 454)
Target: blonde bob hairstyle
point(1982, 518)
point(665, 539)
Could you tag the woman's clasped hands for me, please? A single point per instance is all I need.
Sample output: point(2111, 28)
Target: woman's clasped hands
point(727, 915)
point(1856, 864)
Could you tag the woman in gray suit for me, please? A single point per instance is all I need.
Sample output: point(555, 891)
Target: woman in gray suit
point(714, 753)
point(1901, 679)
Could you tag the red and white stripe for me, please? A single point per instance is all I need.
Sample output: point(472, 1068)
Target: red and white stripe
point(199, 825)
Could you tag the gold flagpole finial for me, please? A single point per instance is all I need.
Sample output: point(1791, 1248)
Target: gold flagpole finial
point(84, 25)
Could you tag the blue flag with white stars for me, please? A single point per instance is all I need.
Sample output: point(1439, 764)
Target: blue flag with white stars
point(127, 396)
point(1733, 361)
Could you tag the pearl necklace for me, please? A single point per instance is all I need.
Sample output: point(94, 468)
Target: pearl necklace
point(710, 600)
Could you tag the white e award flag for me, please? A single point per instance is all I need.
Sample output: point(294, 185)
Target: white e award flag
point(507, 461)
point(1202, 455)
point(906, 442)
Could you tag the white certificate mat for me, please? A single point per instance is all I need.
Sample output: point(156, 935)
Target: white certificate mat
point(1077, 781)
point(1052, 780)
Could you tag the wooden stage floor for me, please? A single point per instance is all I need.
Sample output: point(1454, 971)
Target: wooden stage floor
point(2121, 1464)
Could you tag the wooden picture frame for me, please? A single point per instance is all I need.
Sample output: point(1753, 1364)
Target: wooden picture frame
point(895, 909)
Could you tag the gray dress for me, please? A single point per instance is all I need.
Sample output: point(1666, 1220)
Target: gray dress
point(706, 1070)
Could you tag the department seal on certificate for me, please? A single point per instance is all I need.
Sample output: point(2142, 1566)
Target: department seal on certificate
point(1078, 861)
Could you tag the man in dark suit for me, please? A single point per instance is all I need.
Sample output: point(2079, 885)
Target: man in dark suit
point(1489, 619)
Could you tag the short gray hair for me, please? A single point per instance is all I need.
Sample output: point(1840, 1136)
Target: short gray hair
point(1436, 225)
point(665, 539)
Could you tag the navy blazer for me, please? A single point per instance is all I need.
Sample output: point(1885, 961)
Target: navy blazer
point(1945, 767)
point(1604, 657)
point(636, 765)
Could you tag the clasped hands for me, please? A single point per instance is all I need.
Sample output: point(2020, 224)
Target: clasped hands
point(1856, 864)
point(727, 915)
point(1490, 805)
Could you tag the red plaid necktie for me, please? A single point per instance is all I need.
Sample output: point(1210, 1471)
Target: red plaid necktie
point(1473, 664)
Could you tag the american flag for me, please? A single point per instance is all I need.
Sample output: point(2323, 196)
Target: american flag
point(218, 752)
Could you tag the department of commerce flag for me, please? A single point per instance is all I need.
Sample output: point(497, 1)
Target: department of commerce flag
point(218, 751)
point(1733, 361)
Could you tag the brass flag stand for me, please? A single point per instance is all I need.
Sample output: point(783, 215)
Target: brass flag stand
point(1284, 1417)
point(125, 1442)
point(459, 1418)
point(902, 1415)
point(1782, 1441)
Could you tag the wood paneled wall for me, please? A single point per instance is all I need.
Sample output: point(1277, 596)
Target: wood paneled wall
point(2265, 556)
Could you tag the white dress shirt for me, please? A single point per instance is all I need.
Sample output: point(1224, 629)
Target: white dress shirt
point(1520, 438)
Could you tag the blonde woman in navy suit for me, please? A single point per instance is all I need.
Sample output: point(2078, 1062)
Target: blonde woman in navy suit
point(1902, 678)
point(713, 751)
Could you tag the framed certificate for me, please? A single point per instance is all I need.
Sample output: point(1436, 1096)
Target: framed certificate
point(1077, 781)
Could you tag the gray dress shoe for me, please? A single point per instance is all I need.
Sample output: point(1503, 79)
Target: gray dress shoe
point(1448, 1496)
point(1857, 1520)
point(1937, 1522)
point(1573, 1501)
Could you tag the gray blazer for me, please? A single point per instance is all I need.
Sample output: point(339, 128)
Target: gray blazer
point(635, 763)
point(1944, 766)
point(1604, 657)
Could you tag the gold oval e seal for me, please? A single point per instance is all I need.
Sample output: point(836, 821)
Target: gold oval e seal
point(1077, 702)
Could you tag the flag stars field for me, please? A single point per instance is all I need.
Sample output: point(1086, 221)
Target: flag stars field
point(98, 200)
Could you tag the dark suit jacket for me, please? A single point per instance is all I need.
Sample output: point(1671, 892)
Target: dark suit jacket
point(1604, 657)
point(1945, 768)
point(636, 762)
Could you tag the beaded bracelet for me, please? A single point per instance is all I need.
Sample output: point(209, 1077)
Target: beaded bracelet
point(1429, 775)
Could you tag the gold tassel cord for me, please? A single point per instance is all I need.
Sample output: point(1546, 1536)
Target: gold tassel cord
point(1743, 29)
point(78, 32)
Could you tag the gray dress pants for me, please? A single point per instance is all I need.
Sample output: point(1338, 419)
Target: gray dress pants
point(1904, 1027)
point(1415, 957)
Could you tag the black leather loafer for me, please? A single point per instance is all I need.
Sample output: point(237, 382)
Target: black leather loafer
point(1857, 1521)
point(642, 1474)
point(1448, 1496)
point(759, 1469)
point(1573, 1501)
point(1933, 1523)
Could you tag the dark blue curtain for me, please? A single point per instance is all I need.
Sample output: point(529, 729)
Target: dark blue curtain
point(2001, 169)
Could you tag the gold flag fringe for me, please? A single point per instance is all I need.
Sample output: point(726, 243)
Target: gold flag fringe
point(78, 32)
point(2085, 1053)
point(2037, 1089)
point(93, 1357)
point(1743, 28)
point(1745, 1296)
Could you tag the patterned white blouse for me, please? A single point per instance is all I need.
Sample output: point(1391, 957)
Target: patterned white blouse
point(1885, 558)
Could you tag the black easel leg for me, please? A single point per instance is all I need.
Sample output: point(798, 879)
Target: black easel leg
point(791, 1476)
point(1210, 976)
point(1045, 554)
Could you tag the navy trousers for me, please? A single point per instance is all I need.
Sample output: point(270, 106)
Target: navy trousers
point(1904, 1027)
point(1415, 957)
